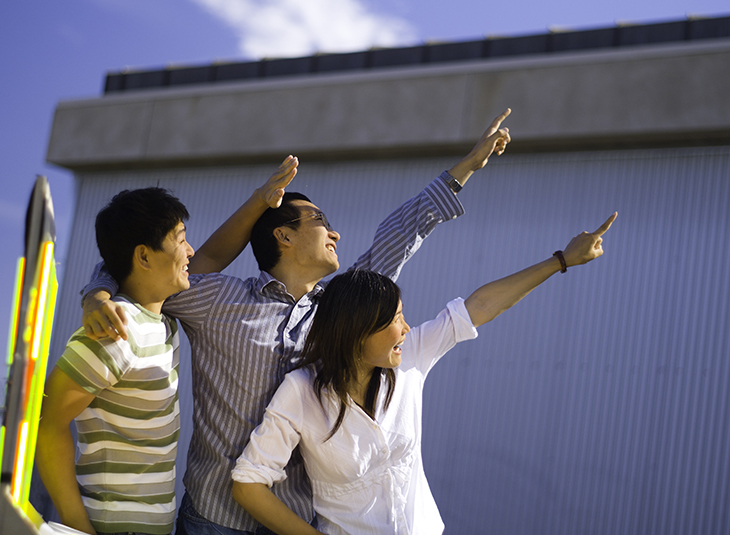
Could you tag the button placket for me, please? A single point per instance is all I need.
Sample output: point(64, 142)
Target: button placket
point(293, 344)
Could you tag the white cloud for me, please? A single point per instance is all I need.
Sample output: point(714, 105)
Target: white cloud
point(290, 28)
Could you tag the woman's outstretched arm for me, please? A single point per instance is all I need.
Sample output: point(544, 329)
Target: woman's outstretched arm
point(489, 301)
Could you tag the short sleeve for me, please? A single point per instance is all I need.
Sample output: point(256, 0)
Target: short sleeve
point(95, 364)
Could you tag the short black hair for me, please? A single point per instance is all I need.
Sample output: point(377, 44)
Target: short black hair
point(263, 243)
point(135, 217)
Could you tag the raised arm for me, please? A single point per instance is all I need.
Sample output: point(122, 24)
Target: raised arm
point(55, 450)
point(489, 301)
point(400, 234)
point(231, 238)
point(102, 317)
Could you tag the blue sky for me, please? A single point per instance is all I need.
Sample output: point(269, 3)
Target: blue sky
point(61, 50)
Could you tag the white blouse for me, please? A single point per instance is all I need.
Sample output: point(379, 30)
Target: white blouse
point(367, 478)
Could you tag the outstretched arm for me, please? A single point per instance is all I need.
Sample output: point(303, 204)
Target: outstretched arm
point(492, 299)
point(400, 234)
point(55, 449)
point(265, 507)
point(231, 238)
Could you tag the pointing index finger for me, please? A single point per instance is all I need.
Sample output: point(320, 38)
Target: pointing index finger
point(607, 225)
point(498, 121)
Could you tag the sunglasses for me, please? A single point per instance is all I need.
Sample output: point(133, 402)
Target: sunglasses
point(316, 215)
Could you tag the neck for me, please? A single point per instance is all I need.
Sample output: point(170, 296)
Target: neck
point(359, 387)
point(138, 293)
point(297, 284)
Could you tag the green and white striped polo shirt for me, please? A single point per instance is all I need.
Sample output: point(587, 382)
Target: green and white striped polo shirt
point(127, 437)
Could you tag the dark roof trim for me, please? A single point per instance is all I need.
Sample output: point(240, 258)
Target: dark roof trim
point(547, 43)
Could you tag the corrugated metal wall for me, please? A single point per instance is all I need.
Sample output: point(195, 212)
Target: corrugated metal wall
point(597, 405)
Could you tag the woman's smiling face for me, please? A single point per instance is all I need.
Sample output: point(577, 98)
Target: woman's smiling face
point(382, 349)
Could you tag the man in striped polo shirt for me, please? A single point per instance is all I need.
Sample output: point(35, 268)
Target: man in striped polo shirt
point(123, 393)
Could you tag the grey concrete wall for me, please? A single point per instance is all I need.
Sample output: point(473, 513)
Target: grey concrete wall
point(645, 95)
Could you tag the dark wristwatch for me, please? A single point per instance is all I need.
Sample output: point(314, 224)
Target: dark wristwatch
point(453, 183)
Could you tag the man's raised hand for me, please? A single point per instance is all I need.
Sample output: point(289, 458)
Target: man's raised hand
point(273, 191)
point(494, 139)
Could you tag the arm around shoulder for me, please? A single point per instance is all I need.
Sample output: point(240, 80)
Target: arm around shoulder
point(103, 317)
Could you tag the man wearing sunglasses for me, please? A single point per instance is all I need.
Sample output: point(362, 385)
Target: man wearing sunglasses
point(245, 335)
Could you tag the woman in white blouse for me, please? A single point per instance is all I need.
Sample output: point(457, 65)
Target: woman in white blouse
point(354, 405)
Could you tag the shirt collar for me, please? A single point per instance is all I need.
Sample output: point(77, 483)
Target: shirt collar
point(271, 287)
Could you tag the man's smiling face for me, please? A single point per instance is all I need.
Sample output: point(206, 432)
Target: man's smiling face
point(171, 263)
point(314, 245)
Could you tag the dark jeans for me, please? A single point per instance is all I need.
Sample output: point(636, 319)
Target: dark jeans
point(121, 533)
point(190, 522)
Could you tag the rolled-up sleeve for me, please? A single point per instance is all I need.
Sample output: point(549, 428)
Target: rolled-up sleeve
point(272, 442)
point(431, 340)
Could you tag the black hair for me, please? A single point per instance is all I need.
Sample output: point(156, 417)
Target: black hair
point(137, 217)
point(354, 306)
point(263, 243)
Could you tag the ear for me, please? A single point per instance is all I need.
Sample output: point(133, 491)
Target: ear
point(282, 237)
point(141, 257)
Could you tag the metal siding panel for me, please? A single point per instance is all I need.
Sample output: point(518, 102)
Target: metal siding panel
point(598, 405)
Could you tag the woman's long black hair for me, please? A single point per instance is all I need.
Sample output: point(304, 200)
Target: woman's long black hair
point(354, 305)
